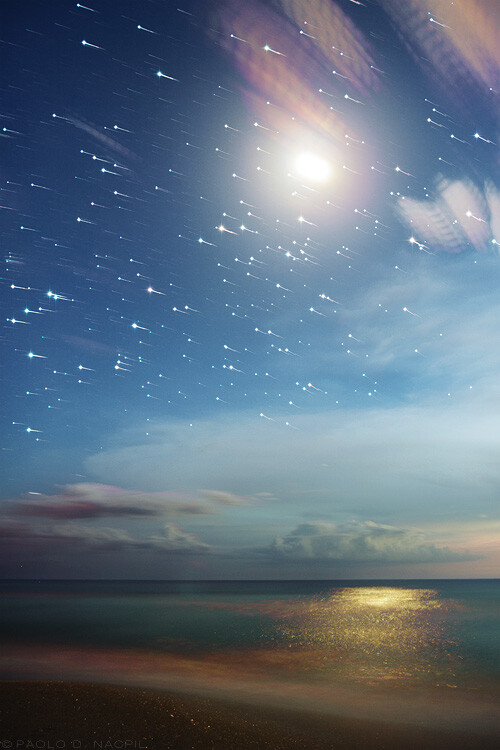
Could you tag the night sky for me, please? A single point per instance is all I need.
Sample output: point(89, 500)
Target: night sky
point(250, 289)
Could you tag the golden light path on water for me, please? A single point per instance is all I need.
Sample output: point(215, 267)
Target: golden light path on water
point(374, 634)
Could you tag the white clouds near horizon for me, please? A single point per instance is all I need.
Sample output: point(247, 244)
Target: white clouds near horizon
point(367, 542)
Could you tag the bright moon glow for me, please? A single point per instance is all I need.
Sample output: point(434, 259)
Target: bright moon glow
point(312, 167)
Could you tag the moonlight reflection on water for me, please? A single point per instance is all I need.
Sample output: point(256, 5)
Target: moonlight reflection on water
point(374, 634)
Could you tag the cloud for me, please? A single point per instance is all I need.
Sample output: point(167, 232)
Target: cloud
point(97, 133)
point(87, 500)
point(462, 216)
point(360, 543)
point(174, 539)
point(435, 456)
point(285, 73)
point(461, 47)
point(51, 530)
point(67, 536)
point(223, 498)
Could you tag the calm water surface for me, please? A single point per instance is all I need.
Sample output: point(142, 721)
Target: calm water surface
point(418, 633)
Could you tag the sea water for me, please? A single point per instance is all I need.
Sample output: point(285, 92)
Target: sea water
point(336, 645)
point(409, 630)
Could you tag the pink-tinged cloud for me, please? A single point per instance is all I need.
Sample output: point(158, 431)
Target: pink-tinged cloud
point(286, 59)
point(462, 216)
point(459, 40)
point(90, 500)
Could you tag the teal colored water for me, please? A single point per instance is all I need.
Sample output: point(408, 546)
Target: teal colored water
point(395, 632)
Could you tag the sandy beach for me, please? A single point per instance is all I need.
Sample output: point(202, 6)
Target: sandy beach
point(60, 715)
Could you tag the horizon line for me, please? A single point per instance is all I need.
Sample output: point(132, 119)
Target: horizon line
point(233, 580)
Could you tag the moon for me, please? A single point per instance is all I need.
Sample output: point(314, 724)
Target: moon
point(312, 167)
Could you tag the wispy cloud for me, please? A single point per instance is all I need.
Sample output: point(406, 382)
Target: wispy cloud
point(263, 42)
point(174, 539)
point(87, 500)
point(456, 44)
point(361, 462)
point(70, 536)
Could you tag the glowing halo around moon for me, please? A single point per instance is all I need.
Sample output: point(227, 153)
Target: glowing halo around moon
point(312, 167)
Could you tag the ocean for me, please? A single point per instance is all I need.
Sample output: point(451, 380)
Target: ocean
point(365, 648)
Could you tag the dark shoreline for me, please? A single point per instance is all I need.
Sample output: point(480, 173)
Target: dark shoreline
point(88, 716)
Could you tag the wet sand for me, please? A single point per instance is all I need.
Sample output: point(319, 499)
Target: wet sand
point(87, 716)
